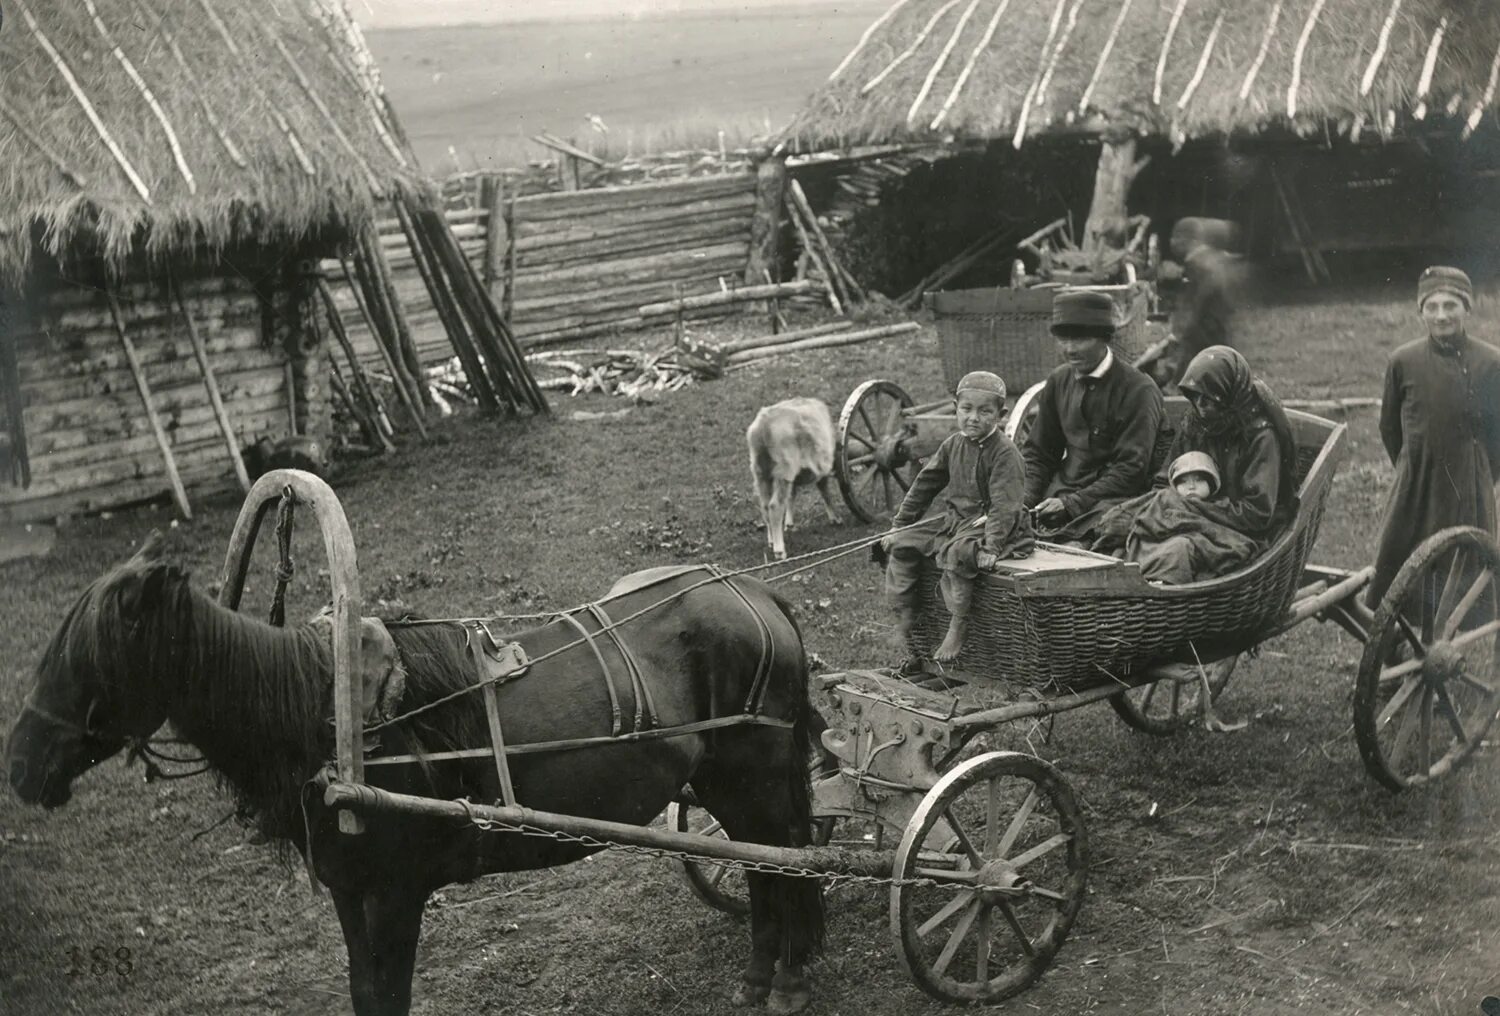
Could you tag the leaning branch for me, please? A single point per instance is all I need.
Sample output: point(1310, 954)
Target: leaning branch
point(1424, 85)
point(144, 89)
point(1260, 57)
point(1166, 47)
point(963, 75)
point(1109, 46)
point(1368, 81)
point(83, 101)
point(940, 63)
point(1197, 78)
point(868, 33)
point(906, 53)
point(1307, 31)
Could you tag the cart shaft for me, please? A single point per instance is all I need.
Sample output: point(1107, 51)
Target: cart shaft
point(365, 799)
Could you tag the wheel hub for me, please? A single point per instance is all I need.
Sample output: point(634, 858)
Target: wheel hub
point(1442, 663)
point(1001, 882)
point(891, 453)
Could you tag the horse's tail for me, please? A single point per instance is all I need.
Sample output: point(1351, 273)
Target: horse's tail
point(803, 913)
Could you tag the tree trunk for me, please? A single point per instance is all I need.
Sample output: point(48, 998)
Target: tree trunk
point(1108, 222)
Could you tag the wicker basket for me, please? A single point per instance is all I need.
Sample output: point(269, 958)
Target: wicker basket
point(1007, 331)
point(1031, 629)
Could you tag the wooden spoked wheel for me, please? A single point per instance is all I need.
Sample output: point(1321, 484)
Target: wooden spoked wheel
point(1167, 706)
point(721, 887)
point(872, 462)
point(1022, 416)
point(1429, 679)
point(1001, 839)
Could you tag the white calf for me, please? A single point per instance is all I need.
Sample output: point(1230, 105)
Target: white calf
point(791, 445)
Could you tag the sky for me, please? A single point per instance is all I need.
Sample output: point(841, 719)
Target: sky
point(404, 13)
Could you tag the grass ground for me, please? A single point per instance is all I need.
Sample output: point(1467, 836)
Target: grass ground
point(1271, 877)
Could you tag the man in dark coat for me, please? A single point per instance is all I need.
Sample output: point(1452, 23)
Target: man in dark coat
point(1440, 421)
point(1203, 311)
point(1097, 423)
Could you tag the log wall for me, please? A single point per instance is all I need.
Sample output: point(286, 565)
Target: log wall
point(88, 437)
point(577, 264)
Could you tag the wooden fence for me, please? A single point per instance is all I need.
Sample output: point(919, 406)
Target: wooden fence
point(577, 264)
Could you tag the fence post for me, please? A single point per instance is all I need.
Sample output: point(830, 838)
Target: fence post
point(765, 226)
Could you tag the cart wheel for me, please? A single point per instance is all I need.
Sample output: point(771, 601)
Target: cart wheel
point(873, 466)
point(721, 887)
point(1023, 414)
point(1017, 274)
point(1429, 679)
point(1167, 706)
point(1006, 821)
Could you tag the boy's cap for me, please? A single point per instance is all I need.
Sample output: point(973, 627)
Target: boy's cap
point(1195, 462)
point(1444, 279)
point(1082, 314)
point(982, 381)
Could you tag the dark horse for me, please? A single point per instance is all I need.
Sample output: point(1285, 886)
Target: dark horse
point(141, 646)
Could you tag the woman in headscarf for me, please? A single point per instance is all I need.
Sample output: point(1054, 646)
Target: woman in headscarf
point(1238, 422)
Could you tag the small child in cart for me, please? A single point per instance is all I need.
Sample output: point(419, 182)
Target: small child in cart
point(980, 474)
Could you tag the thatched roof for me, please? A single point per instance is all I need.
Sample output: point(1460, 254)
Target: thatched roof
point(985, 69)
point(181, 123)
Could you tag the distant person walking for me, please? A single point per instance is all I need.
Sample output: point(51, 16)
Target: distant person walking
point(1203, 314)
point(1440, 421)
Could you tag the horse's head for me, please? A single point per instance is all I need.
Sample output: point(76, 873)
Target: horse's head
point(89, 700)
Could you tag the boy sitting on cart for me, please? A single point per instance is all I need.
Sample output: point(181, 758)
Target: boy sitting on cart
point(980, 474)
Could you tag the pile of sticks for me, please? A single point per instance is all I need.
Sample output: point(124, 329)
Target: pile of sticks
point(995, 240)
point(631, 373)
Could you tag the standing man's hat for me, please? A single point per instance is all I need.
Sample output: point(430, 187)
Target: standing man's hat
point(1443, 279)
point(1082, 314)
point(982, 381)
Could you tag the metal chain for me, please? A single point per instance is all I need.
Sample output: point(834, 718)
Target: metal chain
point(759, 867)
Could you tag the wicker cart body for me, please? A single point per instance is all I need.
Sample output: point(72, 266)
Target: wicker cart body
point(1007, 331)
point(1070, 619)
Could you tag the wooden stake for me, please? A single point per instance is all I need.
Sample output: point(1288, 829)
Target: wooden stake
point(453, 322)
point(1368, 80)
point(496, 236)
point(1109, 47)
point(1260, 57)
point(804, 207)
point(1477, 113)
point(1424, 85)
point(509, 302)
point(212, 384)
point(376, 187)
point(1041, 67)
point(140, 84)
point(139, 375)
point(909, 50)
point(208, 112)
point(405, 349)
point(399, 378)
point(1062, 44)
point(1166, 47)
point(26, 132)
point(83, 101)
point(865, 37)
point(250, 78)
point(968, 68)
point(361, 381)
point(940, 62)
point(1307, 30)
point(824, 341)
point(1197, 78)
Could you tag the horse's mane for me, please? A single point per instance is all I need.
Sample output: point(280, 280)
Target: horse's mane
point(255, 699)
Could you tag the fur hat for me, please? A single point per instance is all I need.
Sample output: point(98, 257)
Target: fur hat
point(1443, 279)
point(1083, 314)
point(1195, 462)
point(982, 381)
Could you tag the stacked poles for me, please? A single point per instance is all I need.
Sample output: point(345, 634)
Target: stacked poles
point(468, 304)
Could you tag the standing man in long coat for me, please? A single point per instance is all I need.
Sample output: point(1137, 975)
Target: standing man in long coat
point(1440, 421)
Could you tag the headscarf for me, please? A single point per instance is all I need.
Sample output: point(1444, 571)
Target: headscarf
point(1223, 374)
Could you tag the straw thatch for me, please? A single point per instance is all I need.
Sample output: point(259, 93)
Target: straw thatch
point(168, 125)
point(987, 69)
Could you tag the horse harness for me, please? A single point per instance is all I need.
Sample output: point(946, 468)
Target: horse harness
point(497, 661)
